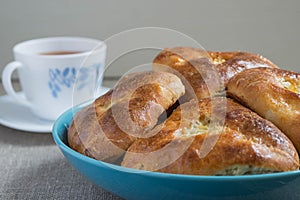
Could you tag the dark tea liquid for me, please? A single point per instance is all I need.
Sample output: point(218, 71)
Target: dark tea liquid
point(60, 52)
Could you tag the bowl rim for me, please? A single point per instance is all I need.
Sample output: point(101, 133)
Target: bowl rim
point(62, 120)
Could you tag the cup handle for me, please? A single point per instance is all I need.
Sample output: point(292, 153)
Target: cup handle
point(7, 83)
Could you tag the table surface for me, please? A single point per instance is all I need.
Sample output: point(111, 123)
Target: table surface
point(32, 167)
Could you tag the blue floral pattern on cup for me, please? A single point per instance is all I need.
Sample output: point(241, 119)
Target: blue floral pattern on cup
point(58, 79)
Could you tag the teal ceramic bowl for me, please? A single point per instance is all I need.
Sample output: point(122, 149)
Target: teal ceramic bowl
point(137, 184)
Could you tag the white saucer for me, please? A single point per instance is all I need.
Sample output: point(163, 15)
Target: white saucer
point(18, 116)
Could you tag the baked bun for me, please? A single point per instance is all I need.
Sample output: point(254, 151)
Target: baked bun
point(232, 63)
point(105, 129)
point(272, 93)
point(195, 69)
point(246, 144)
point(206, 73)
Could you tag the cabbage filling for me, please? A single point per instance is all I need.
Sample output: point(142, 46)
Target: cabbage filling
point(288, 85)
point(218, 60)
point(196, 127)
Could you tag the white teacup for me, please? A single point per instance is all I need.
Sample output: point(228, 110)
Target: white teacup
point(48, 69)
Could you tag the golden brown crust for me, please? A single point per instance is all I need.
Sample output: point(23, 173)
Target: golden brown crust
point(235, 62)
point(105, 129)
point(247, 144)
point(273, 94)
point(206, 73)
point(195, 69)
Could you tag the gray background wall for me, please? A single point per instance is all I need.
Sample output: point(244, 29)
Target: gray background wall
point(269, 27)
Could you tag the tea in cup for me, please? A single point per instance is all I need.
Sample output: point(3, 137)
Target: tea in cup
point(52, 69)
